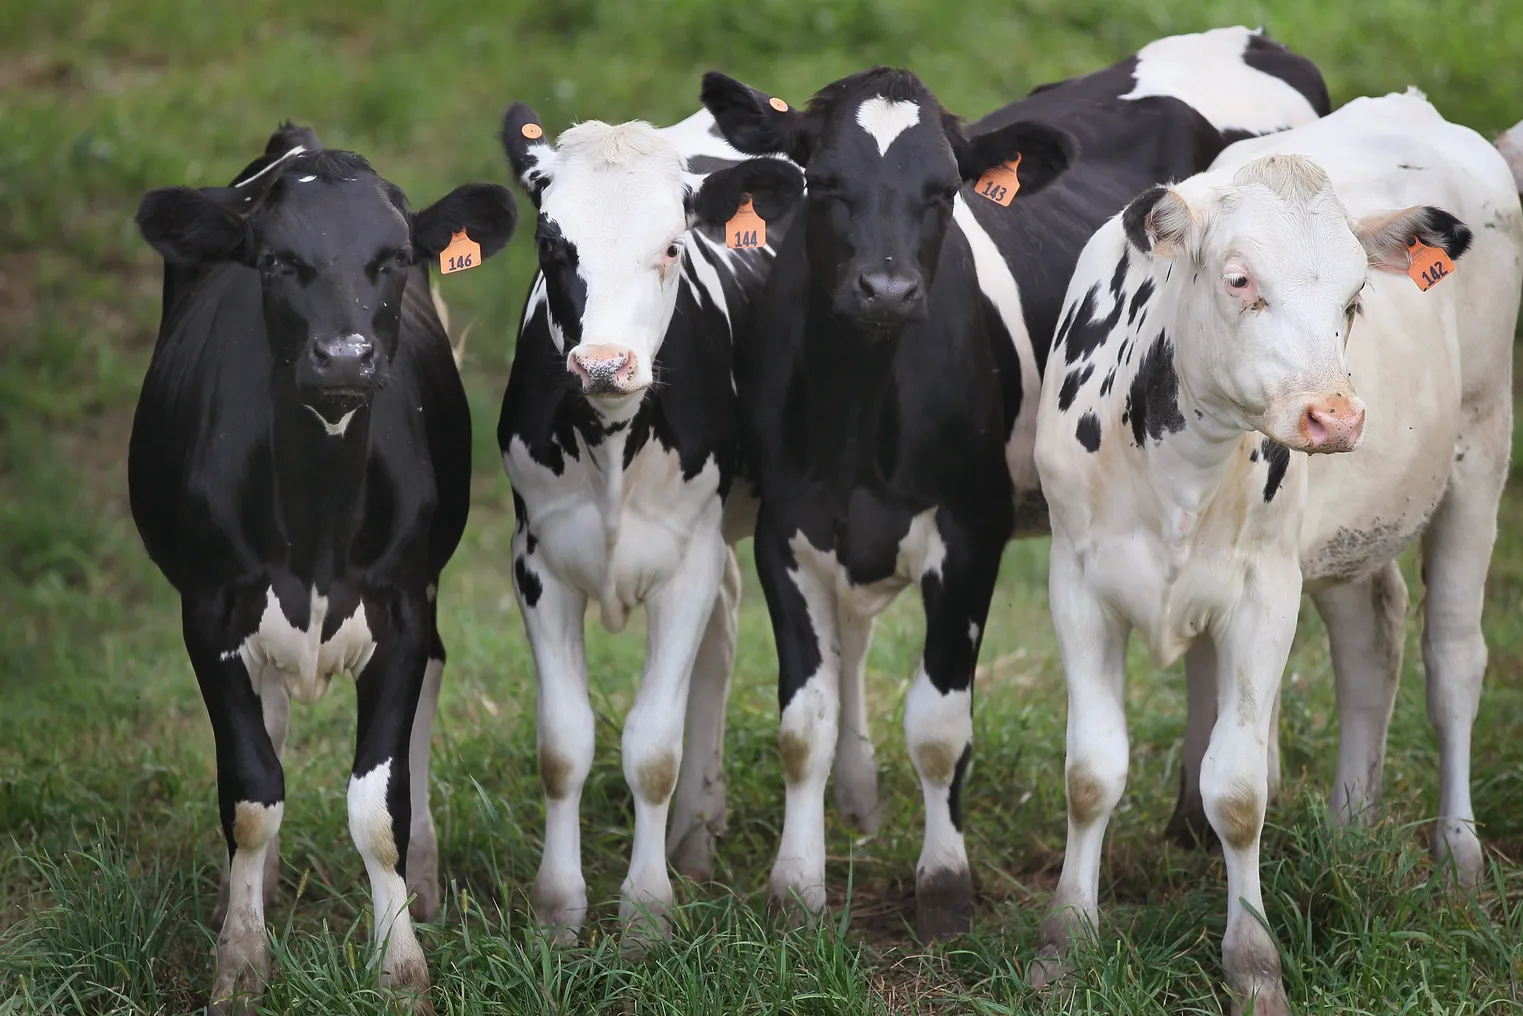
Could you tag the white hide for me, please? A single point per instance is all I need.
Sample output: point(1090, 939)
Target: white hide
point(1195, 551)
point(1206, 70)
point(305, 661)
point(392, 939)
point(886, 119)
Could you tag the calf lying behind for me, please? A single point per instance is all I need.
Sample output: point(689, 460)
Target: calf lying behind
point(1217, 331)
point(300, 472)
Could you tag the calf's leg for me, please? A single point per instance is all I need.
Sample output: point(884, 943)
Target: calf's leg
point(1366, 622)
point(804, 625)
point(251, 798)
point(698, 806)
point(1456, 556)
point(380, 794)
point(1092, 641)
point(855, 770)
point(1253, 644)
point(552, 612)
point(422, 840)
point(1189, 826)
point(676, 615)
point(275, 703)
point(938, 724)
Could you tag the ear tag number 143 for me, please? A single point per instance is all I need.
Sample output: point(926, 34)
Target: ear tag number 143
point(745, 229)
point(1430, 265)
point(1000, 183)
point(462, 253)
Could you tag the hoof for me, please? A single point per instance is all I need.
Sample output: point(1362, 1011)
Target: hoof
point(406, 987)
point(856, 796)
point(423, 882)
point(1047, 969)
point(644, 922)
point(240, 982)
point(425, 899)
point(1457, 853)
point(943, 904)
point(794, 911)
point(560, 914)
point(693, 855)
point(1266, 1000)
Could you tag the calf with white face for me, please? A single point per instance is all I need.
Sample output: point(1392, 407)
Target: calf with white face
point(618, 432)
point(1216, 331)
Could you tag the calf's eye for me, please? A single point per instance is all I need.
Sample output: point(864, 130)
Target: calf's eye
point(1237, 281)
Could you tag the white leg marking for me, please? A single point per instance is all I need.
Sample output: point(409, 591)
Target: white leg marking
point(422, 841)
point(855, 772)
point(886, 119)
point(698, 807)
point(391, 936)
point(676, 614)
point(243, 964)
point(937, 729)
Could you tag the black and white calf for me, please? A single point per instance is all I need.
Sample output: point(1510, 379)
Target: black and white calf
point(619, 433)
point(300, 472)
point(890, 382)
point(1217, 331)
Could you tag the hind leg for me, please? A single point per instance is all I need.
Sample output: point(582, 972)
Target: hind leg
point(1365, 626)
point(1456, 556)
point(855, 771)
point(698, 806)
point(423, 841)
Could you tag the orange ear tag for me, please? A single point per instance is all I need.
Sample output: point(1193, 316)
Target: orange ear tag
point(532, 131)
point(1430, 265)
point(778, 104)
point(462, 253)
point(999, 184)
point(746, 229)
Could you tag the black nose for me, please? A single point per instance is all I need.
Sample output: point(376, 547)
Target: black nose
point(343, 361)
point(888, 296)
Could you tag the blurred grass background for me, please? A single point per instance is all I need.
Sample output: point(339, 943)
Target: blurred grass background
point(108, 838)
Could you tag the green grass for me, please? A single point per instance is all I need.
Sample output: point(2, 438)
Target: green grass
point(108, 838)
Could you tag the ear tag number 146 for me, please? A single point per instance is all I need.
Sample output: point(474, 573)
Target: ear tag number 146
point(745, 229)
point(462, 253)
point(1430, 265)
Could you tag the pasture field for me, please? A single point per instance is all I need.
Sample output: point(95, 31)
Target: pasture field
point(109, 844)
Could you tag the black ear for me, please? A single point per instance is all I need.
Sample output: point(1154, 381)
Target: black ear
point(752, 122)
point(1045, 153)
point(529, 151)
point(775, 187)
point(188, 228)
point(485, 211)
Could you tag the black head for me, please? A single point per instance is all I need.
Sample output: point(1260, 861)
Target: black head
point(333, 244)
point(884, 163)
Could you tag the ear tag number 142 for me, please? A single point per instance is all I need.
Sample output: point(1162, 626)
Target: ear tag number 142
point(1430, 265)
point(745, 229)
point(462, 253)
point(1000, 183)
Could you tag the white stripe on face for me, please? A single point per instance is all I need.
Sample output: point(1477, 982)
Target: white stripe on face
point(886, 119)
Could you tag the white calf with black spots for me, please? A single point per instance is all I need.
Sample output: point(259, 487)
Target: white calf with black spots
point(1217, 332)
point(618, 432)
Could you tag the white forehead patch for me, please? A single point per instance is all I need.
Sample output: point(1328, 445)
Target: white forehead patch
point(886, 119)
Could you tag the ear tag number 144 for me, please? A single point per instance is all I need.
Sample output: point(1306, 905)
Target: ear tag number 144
point(745, 229)
point(462, 253)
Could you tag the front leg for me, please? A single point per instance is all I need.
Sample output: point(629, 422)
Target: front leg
point(1252, 645)
point(938, 719)
point(1092, 641)
point(251, 794)
point(803, 609)
point(676, 613)
point(552, 611)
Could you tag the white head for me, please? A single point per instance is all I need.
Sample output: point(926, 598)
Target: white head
point(615, 211)
point(1268, 271)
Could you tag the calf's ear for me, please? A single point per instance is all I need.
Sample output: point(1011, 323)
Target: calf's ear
point(188, 228)
point(528, 149)
point(485, 211)
point(754, 122)
point(1045, 153)
point(1159, 222)
point(1386, 236)
point(775, 187)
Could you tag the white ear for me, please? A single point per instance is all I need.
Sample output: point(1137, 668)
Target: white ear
point(1159, 222)
point(1386, 236)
